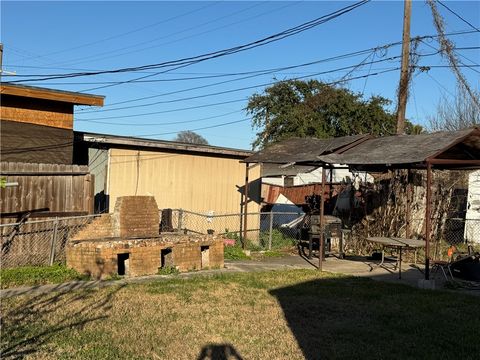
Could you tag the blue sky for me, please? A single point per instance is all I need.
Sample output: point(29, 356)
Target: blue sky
point(63, 37)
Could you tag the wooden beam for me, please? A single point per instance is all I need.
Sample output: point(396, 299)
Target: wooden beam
point(49, 94)
point(453, 162)
point(45, 214)
point(428, 221)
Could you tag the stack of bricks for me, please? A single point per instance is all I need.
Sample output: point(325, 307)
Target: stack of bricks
point(136, 216)
point(127, 242)
point(100, 228)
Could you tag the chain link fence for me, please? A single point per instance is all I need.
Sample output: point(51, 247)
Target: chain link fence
point(42, 242)
point(264, 230)
point(38, 242)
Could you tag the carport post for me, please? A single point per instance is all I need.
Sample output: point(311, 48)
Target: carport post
point(408, 214)
point(428, 220)
point(322, 222)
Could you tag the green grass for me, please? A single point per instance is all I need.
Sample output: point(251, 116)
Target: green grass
point(234, 253)
point(272, 253)
point(293, 314)
point(38, 275)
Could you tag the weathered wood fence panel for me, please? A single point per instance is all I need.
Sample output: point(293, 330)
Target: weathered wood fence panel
point(58, 191)
point(58, 188)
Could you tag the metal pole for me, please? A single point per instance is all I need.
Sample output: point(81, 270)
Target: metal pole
point(1, 60)
point(408, 209)
point(180, 220)
point(54, 240)
point(322, 223)
point(428, 221)
point(270, 231)
point(403, 85)
point(245, 208)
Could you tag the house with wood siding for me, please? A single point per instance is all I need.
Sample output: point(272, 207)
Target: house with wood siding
point(36, 153)
point(37, 123)
point(37, 128)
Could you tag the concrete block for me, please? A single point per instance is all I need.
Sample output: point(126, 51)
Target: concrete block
point(426, 284)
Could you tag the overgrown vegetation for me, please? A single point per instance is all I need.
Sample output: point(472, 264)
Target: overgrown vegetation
point(306, 314)
point(279, 240)
point(168, 270)
point(235, 252)
point(38, 275)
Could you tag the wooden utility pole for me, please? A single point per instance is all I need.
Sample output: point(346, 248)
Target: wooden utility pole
point(404, 73)
point(1, 60)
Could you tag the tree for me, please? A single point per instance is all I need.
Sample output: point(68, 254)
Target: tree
point(190, 137)
point(455, 114)
point(315, 109)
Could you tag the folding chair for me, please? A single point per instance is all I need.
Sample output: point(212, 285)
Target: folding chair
point(443, 265)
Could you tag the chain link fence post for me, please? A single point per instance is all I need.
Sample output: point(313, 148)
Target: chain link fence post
point(180, 219)
point(54, 240)
point(270, 231)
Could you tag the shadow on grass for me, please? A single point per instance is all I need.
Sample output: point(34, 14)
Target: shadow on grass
point(219, 352)
point(28, 324)
point(358, 318)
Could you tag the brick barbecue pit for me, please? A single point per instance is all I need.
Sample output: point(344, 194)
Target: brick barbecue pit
point(122, 244)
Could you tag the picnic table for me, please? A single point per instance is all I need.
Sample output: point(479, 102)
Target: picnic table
point(399, 244)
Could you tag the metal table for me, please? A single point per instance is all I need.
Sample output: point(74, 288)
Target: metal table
point(398, 244)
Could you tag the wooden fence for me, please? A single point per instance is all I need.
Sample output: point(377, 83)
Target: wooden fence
point(55, 189)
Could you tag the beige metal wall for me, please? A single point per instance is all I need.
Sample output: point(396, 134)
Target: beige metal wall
point(192, 182)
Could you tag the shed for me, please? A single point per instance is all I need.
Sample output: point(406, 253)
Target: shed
point(200, 178)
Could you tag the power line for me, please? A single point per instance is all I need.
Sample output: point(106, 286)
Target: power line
point(353, 67)
point(229, 91)
point(205, 75)
point(255, 74)
point(165, 124)
point(98, 57)
point(177, 110)
point(458, 16)
point(182, 31)
point(224, 91)
point(128, 32)
point(197, 129)
point(220, 53)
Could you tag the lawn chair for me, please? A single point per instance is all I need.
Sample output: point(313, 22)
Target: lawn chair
point(443, 265)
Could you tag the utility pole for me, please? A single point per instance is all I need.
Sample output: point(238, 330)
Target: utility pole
point(1, 60)
point(404, 73)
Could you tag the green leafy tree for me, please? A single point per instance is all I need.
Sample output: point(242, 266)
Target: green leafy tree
point(190, 137)
point(311, 108)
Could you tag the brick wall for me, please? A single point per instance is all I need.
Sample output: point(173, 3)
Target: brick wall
point(133, 217)
point(133, 230)
point(99, 259)
point(136, 216)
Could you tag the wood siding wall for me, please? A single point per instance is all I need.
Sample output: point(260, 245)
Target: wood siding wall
point(192, 182)
point(60, 188)
point(22, 142)
point(37, 111)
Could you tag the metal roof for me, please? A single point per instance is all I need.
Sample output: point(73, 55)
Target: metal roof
point(128, 141)
point(302, 150)
point(403, 150)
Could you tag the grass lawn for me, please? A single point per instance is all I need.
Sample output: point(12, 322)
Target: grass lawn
point(293, 314)
point(38, 275)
